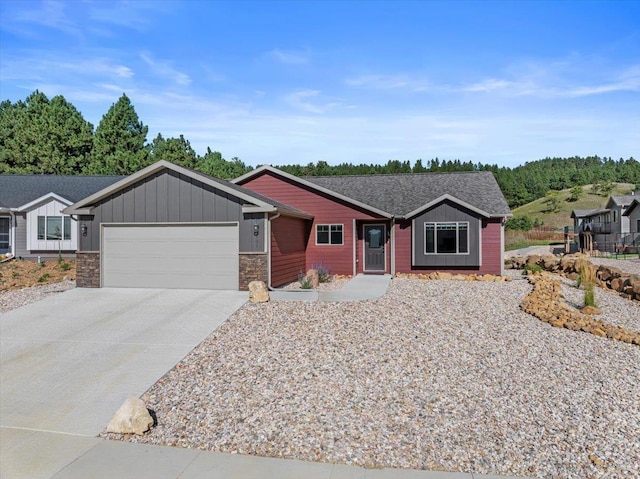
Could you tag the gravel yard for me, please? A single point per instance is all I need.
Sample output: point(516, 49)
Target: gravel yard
point(440, 375)
point(12, 299)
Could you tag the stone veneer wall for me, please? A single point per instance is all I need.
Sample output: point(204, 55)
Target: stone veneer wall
point(253, 267)
point(88, 269)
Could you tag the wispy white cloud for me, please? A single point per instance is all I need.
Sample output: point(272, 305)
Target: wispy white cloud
point(488, 85)
point(135, 15)
point(301, 100)
point(390, 82)
point(567, 78)
point(49, 13)
point(165, 70)
point(290, 57)
point(40, 65)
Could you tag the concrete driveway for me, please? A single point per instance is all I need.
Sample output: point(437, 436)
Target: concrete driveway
point(68, 362)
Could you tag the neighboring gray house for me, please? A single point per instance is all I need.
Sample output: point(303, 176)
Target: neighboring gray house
point(605, 228)
point(31, 220)
point(632, 215)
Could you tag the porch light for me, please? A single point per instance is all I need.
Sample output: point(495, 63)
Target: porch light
point(83, 229)
point(256, 229)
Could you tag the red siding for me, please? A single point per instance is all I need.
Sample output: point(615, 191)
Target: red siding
point(491, 250)
point(288, 243)
point(325, 209)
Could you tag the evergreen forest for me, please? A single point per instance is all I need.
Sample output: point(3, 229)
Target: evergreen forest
point(50, 136)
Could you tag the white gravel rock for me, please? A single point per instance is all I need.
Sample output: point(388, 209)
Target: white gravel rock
point(439, 375)
point(16, 298)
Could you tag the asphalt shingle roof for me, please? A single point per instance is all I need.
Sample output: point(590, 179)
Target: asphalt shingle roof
point(403, 193)
point(624, 200)
point(587, 213)
point(18, 190)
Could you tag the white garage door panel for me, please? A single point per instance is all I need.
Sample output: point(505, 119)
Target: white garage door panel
point(170, 256)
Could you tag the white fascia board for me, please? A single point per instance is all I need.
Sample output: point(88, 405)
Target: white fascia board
point(450, 198)
point(272, 209)
point(258, 209)
point(152, 169)
point(43, 199)
point(311, 185)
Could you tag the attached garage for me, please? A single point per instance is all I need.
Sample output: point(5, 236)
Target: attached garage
point(177, 256)
point(167, 226)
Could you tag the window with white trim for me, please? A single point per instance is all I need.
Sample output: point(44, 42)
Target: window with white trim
point(446, 237)
point(54, 228)
point(329, 234)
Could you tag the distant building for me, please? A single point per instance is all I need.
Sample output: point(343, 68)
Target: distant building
point(609, 228)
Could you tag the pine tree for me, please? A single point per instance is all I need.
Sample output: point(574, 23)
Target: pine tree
point(42, 136)
point(119, 141)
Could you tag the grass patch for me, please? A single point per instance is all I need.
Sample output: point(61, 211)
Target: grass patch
point(524, 243)
point(44, 277)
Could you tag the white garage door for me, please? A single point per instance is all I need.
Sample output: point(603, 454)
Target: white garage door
point(170, 256)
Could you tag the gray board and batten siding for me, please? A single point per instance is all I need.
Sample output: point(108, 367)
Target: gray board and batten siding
point(445, 212)
point(170, 197)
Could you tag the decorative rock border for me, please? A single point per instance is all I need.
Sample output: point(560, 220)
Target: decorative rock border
point(608, 277)
point(453, 277)
point(545, 303)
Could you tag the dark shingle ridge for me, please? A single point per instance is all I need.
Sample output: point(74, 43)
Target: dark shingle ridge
point(18, 190)
point(402, 193)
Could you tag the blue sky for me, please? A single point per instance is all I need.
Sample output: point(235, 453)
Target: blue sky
point(302, 81)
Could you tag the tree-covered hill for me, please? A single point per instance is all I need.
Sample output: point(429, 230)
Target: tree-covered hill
point(50, 136)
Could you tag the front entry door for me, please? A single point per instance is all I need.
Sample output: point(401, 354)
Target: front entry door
point(375, 237)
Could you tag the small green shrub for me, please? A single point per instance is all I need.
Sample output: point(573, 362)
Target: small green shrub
point(44, 277)
point(324, 273)
point(15, 275)
point(305, 282)
point(533, 268)
point(64, 266)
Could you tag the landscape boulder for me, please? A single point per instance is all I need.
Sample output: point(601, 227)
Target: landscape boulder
point(258, 292)
point(132, 418)
point(313, 278)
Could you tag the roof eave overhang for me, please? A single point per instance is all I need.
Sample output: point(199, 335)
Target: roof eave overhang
point(272, 209)
point(150, 170)
point(77, 211)
point(630, 208)
point(308, 184)
point(449, 197)
point(258, 209)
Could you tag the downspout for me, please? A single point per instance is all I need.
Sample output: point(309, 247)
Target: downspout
point(268, 245)
point(393, 246)
point(14, 226)
point(355, 254)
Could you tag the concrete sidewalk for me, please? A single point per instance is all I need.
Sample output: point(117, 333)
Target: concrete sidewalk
point(361, 287)
point(109, 459)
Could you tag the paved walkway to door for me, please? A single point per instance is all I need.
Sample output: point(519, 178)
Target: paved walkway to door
point(361, 287)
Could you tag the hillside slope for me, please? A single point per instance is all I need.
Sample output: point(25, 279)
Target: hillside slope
point(540, 210)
